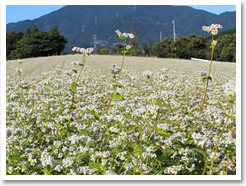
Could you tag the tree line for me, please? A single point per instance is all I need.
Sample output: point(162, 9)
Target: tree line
point(34, 43)
point(191, 46)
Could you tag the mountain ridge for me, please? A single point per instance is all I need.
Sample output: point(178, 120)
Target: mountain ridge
point(149, 20)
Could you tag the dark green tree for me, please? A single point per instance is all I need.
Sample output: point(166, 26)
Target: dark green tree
point(23, 47)
point(11, 42)
point(225, 49)
point(148, 48)
point(164, 48)
point(56, 42)
point(191, 46)
point(35, 43)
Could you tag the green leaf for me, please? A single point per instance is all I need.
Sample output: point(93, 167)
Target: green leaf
point(206, 79)
point(27, 87)
point(16, 158)
point(118, 150)
point(161, 171)
point(133, 147)
point(160, 131)
point(84, 131)
point(83, 157)
point(176, 121)
point(62, 133)
point(74, 85)
point(232, 118)
point(46, 171)
point(179, 144)
point(117, 95)
point(189, 114)
point(94, 113)
point(209, 167)
point(105, 169)
point(137, 151)
point(169, 131)
point(129, 172)
point(117, 85)
point(46, 105)
point(93, 165)
point(130, 149)
point(202, 152)
point(128, 116)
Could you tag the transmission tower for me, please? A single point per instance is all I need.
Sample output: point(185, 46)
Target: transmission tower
point(174, 35)
point(94, 41)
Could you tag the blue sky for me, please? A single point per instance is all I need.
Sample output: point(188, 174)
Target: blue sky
point(15, 13)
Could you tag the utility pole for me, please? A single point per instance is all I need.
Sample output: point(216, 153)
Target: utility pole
point(174, 35)
point(160, 36)
point(95, 41)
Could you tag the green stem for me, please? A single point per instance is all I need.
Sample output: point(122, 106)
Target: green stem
point(116, 148)
point(122, 64)
point(204, 98)
point(75, 88)
point(140, 133)
point(227, 165)
point(123, 60)
point(128, 158)
point(215, 147)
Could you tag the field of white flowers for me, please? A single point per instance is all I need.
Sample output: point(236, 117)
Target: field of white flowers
point(96, 115)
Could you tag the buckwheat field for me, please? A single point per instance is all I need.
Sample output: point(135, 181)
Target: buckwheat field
point(88, 114)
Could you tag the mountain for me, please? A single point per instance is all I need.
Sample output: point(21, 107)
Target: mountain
point(101, 20)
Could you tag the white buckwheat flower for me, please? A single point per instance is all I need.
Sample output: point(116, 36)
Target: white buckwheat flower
point(19, 70)
point(213, 28)
point(214, 43)
point(128, 47)
point(124, 35)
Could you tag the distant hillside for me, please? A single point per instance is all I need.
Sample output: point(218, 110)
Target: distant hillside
point(102, 21)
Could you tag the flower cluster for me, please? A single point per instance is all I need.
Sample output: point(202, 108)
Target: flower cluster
point(124, 35)
point(128, 47)
point(214, 43)
point(19, 70)
point(82, 50)
point(115, 70)
point(230, 88)
point(202, 73)
point(213, 28)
